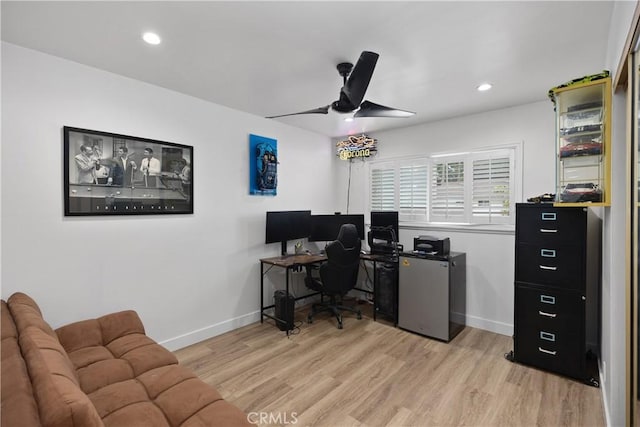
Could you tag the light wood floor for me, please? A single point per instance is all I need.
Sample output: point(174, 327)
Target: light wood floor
point(372, 374)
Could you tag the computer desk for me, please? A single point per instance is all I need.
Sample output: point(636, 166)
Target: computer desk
point(292, 262)
point(288, 262)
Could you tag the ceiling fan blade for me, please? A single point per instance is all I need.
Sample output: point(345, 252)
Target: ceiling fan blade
point(319, 110)
point(369, 109)
point(358, 80)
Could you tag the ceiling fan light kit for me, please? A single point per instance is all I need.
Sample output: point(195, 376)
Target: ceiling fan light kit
point(355, 83)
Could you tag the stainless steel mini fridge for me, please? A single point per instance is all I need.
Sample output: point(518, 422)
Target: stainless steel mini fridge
point(432, 294)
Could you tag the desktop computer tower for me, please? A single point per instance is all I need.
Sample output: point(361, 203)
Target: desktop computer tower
point(284, 306)
point(386, 290)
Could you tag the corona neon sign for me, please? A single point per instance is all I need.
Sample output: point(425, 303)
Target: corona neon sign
point(354, 147)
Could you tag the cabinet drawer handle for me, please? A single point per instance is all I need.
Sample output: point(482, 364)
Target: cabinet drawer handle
point(548, 253)
point(548, 216)
point(553, 353)
point(548, 230)
point(545, 314)
point(546, 267)
point(547, 336)
point(547, 299)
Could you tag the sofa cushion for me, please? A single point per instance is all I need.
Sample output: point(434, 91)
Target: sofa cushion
point(100, 331)
point(151, 356)
point(185, 399)
point(143, 414)
point(219, 413)
point(121, 346)
point(110, 349)
point(118, 395)
point(18, 407)
point(120, 324)
point(103, 373)
point(77, 335)
point(159, 380)
point(83, 357)
point(26, 313)
point(60, 400)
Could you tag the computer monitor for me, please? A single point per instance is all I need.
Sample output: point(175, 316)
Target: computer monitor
point(382, 222)
point(287, 225)
point(325, 228)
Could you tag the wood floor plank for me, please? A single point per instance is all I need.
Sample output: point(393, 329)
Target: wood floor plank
point(371, 374)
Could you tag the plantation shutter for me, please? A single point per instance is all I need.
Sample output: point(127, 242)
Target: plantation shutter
point(447, 190)
point(383, 193)
point(413, 191)
point(492, 189)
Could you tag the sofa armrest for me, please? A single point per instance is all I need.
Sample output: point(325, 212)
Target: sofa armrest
point(100, 331)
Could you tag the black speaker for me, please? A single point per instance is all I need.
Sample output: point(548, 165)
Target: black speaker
point(386, 290)
point(284, 305)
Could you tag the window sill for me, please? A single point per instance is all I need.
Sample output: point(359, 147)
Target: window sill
point(462, 227)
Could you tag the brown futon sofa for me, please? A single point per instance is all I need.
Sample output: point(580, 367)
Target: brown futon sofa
point(99, 372)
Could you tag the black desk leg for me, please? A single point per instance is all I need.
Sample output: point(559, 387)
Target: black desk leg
point(375, 300)
point(261, 292)
point(286, 272)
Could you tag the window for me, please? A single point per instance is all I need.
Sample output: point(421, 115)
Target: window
point(477, 187)
point(400, 186)
point(383, 187)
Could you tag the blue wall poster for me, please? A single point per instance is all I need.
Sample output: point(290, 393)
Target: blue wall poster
point(263, 165)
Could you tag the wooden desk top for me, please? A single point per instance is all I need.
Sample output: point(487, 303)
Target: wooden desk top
point(304, 259)
point(291, 260)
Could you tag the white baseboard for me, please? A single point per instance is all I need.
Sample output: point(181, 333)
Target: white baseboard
point(490, 325)
point(210, 331)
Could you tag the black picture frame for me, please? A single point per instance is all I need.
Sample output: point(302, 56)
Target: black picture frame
point(112, 174)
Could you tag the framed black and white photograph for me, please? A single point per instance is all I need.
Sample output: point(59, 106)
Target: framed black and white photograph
point(111, 174)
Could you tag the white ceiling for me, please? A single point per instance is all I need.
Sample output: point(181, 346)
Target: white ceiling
point(269, 58)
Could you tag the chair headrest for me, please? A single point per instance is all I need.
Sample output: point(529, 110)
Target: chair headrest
point(348, 235)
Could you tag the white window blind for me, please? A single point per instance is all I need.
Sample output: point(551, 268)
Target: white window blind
point(492, 189)
point(413, 186)
point(447, 190)
point(383, 188)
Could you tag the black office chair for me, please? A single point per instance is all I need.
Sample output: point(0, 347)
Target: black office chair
point(338, 275)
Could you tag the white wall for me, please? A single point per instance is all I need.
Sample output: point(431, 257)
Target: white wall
point(490, 256)
point(195, 275)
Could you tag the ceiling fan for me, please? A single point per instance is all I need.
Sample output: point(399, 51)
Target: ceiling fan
point(356, 80)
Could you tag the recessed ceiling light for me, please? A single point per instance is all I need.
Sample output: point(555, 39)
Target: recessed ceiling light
point(348, 119)
point(151, 38)
point(484, 86)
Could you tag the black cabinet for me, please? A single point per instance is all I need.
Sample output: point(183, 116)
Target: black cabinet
point(557, 287)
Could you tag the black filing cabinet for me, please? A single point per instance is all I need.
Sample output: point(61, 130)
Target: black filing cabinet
point(557, 287)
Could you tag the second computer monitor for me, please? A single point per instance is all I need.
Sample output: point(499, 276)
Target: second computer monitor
point(325, 228)
point(382, 222)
